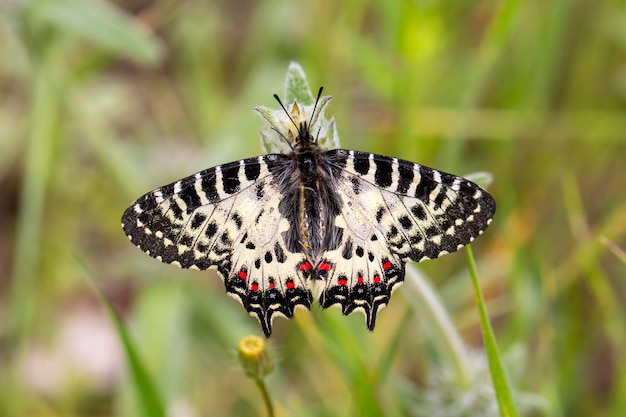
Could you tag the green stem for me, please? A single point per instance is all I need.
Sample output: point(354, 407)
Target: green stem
point(498, 375)
point(266, 396)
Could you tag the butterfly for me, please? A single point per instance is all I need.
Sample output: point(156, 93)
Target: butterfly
point(284, 228)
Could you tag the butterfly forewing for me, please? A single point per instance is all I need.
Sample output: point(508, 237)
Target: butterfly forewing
point(226, 218)
point(423, 213)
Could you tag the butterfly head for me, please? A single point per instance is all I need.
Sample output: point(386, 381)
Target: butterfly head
point(304, 140)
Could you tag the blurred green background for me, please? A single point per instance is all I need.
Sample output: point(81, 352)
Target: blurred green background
point(102, 101)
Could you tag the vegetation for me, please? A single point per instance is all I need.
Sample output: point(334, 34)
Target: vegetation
point(105, 100)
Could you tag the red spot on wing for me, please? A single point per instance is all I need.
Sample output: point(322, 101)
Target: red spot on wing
point(305, 266)
point(243, 275)
point(272, 285)
point(359, 280)
point(290, 284)
point(387, 265)
point(254, 287)
point(324, 266)
point(342, 281)
point(376, 279)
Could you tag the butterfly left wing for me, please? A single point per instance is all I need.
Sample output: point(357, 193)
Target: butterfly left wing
point(227, 218)
point(393, 212)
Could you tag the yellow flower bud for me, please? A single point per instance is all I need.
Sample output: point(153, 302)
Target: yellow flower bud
point(254, 357)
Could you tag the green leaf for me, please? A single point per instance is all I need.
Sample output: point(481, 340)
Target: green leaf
point(482, 178)
point(296, 86)
point(498, 374)
point(147, 395)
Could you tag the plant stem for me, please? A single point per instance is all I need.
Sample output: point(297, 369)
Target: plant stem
point(266, 396)
point(499, 378)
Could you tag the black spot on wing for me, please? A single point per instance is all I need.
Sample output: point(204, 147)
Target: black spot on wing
point(405, 222)
point(191, 199)
point(346, 252)
point(167, 191)
point(259, 190)
point(392, 233)
point(431, 231)
point(406, 175)
point(426, 185)
point(383, 173)
point(176, 210)
point(185, 240)
point(439, 199)
point(197, 220)
point(208, 185)
point(230, 178)
point(211, 230)
point(356, 185)
point(237, 220)
point(361, 163)
point(280, 253)
point(447, 179)
point(379, 213)
point(252, 170)
point(225, 239)
point(419, 212)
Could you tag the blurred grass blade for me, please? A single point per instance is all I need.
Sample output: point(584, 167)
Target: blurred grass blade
point(616, 250)
point(492, 48)
point(100, 23)
point(147, 395)
point(498, 374)
point(44, 135)
point(424, 298)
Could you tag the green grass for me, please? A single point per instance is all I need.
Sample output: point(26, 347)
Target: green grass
point(103, 103)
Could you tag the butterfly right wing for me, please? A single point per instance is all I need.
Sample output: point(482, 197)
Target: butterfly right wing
point(227, 218)
point(392, 212)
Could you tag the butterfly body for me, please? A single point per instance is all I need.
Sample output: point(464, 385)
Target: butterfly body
point(337, 225)
point(310, 184)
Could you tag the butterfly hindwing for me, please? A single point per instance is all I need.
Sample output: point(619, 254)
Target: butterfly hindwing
point(362, 272)
point(395, 211)
point(228, 218)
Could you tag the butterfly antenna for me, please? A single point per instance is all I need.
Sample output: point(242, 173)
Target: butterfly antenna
point(286, 112)
point(283, 137)
point(319, 94)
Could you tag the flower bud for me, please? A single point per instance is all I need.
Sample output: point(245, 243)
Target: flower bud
point(254, 357)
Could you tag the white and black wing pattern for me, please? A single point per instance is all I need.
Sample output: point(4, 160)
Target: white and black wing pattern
point(228, 218)
point(393, 211)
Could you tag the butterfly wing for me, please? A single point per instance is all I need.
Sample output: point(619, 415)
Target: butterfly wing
point(227, 218)
point(393, 212)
